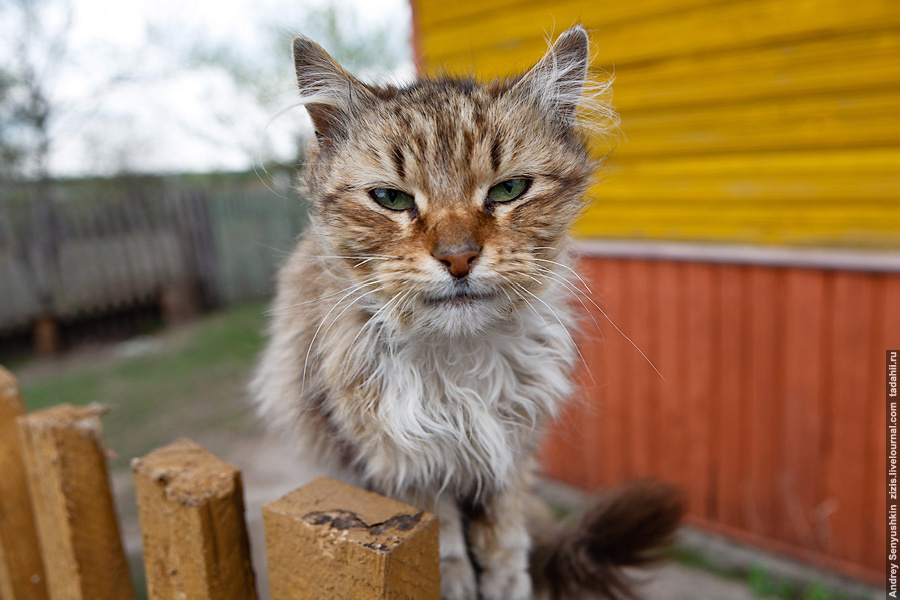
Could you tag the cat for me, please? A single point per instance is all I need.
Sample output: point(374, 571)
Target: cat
point(422, 329)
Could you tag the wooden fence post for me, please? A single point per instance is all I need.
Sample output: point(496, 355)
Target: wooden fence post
point(191, 506)
point(76, 520)
point(332, 540)
point(21, 569)
point(46, 335)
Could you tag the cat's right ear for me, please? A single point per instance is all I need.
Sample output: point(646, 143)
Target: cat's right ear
point(327, 90)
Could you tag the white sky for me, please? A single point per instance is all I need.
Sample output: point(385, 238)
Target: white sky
point(169, 119)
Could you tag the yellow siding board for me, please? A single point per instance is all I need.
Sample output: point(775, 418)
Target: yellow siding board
point(863, 226)
point(870, 61)
point(620, 40)
point(873, 173)
point(442, 15)
point(803, 122)
point(765, 189)
point(850, 163)
point(660, 215)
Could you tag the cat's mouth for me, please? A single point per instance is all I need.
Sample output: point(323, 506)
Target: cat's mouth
point(462, 298)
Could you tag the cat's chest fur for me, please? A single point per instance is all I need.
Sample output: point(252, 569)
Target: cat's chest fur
point(463, 412)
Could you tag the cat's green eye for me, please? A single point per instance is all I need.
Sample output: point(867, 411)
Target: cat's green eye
point(392, 199)
point(508, 190)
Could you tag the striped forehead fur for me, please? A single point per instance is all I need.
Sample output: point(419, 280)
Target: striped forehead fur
point(558, 83)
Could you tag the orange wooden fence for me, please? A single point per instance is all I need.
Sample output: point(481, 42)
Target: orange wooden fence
point(772, 411)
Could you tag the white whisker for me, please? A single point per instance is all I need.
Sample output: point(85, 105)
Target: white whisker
point(284, 309)
point(568, 268)
point(373, 319)
point(516, 287)
point(569, 287)
point(622, 333)
point(566, 329)
point(352, 256)
point(322, 322)
point(355, 300)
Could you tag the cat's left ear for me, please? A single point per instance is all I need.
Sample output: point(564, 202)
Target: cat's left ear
point(557, 80)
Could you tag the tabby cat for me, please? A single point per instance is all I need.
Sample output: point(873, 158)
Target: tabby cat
point(422, 330)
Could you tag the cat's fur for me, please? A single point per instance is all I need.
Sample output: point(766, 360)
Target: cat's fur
point(425, 385)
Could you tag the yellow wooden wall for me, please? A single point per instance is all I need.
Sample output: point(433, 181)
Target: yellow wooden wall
point(759, 121)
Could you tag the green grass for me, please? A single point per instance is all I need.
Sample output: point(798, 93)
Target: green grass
point(192, 386)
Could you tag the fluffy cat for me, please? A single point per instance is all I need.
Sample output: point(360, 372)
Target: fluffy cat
point(421, 336)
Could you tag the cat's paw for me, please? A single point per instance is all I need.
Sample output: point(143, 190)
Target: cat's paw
point(505, 584)
point(458, 580)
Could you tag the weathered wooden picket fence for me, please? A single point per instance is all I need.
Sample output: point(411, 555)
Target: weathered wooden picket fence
point(60, 539)
point(176, 249)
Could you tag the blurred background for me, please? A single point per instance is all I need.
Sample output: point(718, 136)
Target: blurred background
point(743, 244)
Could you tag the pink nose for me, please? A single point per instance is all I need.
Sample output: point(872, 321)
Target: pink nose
point(459, 263)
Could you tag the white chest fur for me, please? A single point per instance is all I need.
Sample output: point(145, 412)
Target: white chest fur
point(462, 413)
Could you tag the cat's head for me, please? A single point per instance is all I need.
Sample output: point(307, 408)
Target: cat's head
point(448, 199)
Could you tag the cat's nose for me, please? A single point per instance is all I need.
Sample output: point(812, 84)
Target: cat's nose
point(459, 260)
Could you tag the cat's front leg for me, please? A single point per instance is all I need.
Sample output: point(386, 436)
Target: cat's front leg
point(500, 544)
point(457, 574)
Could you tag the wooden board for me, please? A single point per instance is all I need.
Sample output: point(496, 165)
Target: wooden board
point(640, 325)
point(331, 540)
point(699, 380)
point(21, 567)
point(76, 519)
point(845, 454)
point(806, 336)
point(191, 508)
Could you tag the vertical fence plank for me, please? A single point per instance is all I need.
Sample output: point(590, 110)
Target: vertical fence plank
point(76, 520)
point(191, 508)
point(674, 344)
point(596, 427)
point(886, 331)
point(629, 364)
point(699, 386)
point(763, 382)
point(800, 485)
point(846, 454)
point(731, 477)
point(874, 496)
point(620, 357)
point(332, 540)
point(21, 569)
point(641, 329)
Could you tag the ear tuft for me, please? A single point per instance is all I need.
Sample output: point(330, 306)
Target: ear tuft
point(558, 79)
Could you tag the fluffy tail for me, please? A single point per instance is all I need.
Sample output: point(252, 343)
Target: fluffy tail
point(621, 529)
